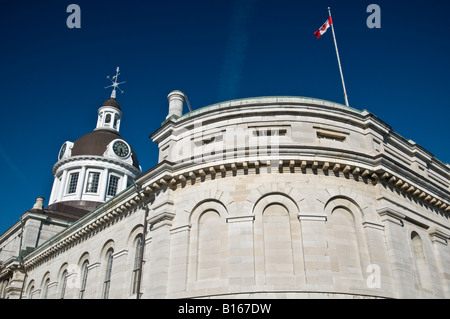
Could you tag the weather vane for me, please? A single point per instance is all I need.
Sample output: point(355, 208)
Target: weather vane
point(115, 84)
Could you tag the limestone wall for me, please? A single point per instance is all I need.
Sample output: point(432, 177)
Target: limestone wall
point(264, 198)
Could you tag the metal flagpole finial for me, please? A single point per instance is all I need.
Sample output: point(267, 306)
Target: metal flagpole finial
point(115, 84)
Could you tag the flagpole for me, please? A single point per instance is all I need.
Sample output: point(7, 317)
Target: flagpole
point(339, 60)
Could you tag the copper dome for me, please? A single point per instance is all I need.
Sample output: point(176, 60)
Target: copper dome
point(96, 142)
point(112, 102)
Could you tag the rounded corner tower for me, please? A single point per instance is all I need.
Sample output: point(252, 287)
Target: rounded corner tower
point(266, 197)
point(94, 168)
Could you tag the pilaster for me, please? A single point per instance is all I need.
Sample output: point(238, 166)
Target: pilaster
point(241, 252)
point(440, 239)
point(179, 253)
point(379, 260)
point(120, 276)
point(157, 255)
point(398, 252)
point(94, 282)
point(315, 245)
point(14, 289)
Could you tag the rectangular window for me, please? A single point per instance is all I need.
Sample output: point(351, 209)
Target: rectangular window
point(73, 181)
point(92, 182)
point(113, 185)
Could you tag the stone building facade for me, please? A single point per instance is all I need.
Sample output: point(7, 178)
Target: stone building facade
point(271, 197)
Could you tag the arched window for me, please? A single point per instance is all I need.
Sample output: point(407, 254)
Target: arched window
point(84, 275)
point(137, 263)
point(116, 120)
point(276, 239)
point(45, 288)
point(108, 118)
point(421, 262)
point(107, 281)
point(279, 260)
point(209, 246)
point(344, 248)
point(63, 284)
point(30, 292)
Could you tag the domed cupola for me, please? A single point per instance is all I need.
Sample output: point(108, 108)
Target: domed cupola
point(95, 167)
point(109, 115)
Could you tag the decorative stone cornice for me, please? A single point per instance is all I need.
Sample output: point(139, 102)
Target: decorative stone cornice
point(168, 175)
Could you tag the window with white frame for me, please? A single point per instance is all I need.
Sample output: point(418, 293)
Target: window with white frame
point(113, 185)
point(73, 181)
point(92, 182)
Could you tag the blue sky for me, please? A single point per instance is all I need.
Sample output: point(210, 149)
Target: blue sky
point(52, 78)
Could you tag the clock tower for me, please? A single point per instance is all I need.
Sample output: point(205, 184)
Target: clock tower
point(95, 167)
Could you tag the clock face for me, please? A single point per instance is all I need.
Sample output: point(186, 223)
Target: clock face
point(62, 151)
point(121, 149)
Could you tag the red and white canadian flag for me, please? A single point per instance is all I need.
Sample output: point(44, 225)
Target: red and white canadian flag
point(323, 28)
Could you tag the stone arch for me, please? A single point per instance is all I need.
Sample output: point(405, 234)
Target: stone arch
point(84, 256)
point(277, 239)
point(421, 263)
point(63, 267)
point(106, 265)
point(62, 282)
point(347, 246)
point(106, 246)
point(31, 288)
point(183, 215)
point(208, 244)
point(136, 231)
point(275, 197)
point(83, 273)
point(44, 278)
point(205, 205)
point(45, 285)
point(134, 249)
point(347, 203)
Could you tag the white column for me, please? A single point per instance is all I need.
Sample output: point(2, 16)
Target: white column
point(62, 184)
point(104, 184)
point(54, 190)
point(81, 181)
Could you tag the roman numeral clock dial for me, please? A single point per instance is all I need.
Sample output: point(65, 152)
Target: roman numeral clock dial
point(121, 149)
